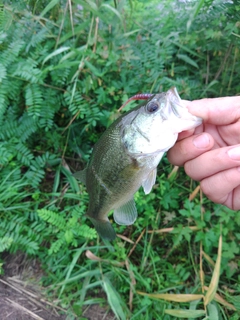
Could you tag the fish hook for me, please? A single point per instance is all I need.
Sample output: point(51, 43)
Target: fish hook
point(139, 96)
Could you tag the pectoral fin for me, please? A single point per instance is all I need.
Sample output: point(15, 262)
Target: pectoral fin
point(104, 228)
point(150, 181)
point(126, 214)
point(81, 175)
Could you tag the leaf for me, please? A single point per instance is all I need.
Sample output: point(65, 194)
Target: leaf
point(115, 300)
point(185, 48)
point(172, 297)
point(88, 273)
point(113, 10)
point(194, 193)
point(209, 259)
point(55, 53)
point(92, 4)
point(70, 34)
point(222, 301)
point(195, 12)
point(211, 84)
point(185, 313)
point(127, 34)
point(72, 181)
point(212, 311)
point(215, 277)
point(49, 7)
point(56, 180)
point(72, 265)
point(93, 69)
point(236, 302)
point(188, 60)
point(93, 257)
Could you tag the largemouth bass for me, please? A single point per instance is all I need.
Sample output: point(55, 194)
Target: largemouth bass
point(127, 155)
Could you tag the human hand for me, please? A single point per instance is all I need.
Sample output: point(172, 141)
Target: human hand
point(211, 152)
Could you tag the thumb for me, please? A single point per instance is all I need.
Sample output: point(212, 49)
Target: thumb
point(218, 111)
point(190, 148)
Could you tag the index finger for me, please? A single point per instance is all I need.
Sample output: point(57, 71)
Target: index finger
point(218, 111)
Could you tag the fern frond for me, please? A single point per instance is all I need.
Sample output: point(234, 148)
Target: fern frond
point(4, 100)
point(5, 243)
point(45, 160)
point(53, 218)
point(75, 230)
point(5, 154)
point(34, 176)
point(9, 56)
point(24, 155)
point(3, 72)
point(26, 71)
point(56, 246)
point(26, 127)
point(9, 130)
point(37, 38)
point(20, 129)
point(60, 76)
point(15, 89)
point(47, 114)
point(77, 104)
point(86, 232)
point(21, 242)
point(34, 100)
point(69, 236)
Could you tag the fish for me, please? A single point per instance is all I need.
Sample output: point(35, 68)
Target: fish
point(127, 155)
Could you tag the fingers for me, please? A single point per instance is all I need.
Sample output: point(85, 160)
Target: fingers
point(235, 201)
point(190, 148)
point(185, 134)
point(230, 133)
point(219, 187)
point(218, 111)
point(212, 162)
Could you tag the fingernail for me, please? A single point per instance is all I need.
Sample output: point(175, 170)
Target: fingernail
point(201, 141)
point(234, 153)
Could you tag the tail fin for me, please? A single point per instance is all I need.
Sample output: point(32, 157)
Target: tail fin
point(104, 228)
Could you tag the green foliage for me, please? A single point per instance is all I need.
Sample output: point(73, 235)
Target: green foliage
point(67, 228)
point(65, 68)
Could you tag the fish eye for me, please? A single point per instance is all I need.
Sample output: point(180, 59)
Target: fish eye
point(152, 106)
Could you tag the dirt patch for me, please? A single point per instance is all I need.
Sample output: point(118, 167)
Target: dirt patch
point(21, 295)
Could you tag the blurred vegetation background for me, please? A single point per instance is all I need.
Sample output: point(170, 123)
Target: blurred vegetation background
point(65, 69)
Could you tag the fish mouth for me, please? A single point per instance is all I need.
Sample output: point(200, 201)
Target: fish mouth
point(178, 108)
point(174, 100)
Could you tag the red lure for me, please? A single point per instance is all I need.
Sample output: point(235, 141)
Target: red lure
point(139, 96)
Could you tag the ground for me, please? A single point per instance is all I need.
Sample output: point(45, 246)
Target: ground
point(22, 298)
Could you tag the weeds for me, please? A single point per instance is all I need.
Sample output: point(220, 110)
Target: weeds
point(65, 69)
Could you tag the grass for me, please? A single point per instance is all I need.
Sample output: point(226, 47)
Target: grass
point(60, 87)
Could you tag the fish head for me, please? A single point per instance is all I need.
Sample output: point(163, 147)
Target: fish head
point(153, 127)
point(177, 112)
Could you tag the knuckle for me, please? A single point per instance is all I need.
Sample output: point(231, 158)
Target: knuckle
point(207, 188)
point(173, 156)
point(189, 169)
point(183, 148)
